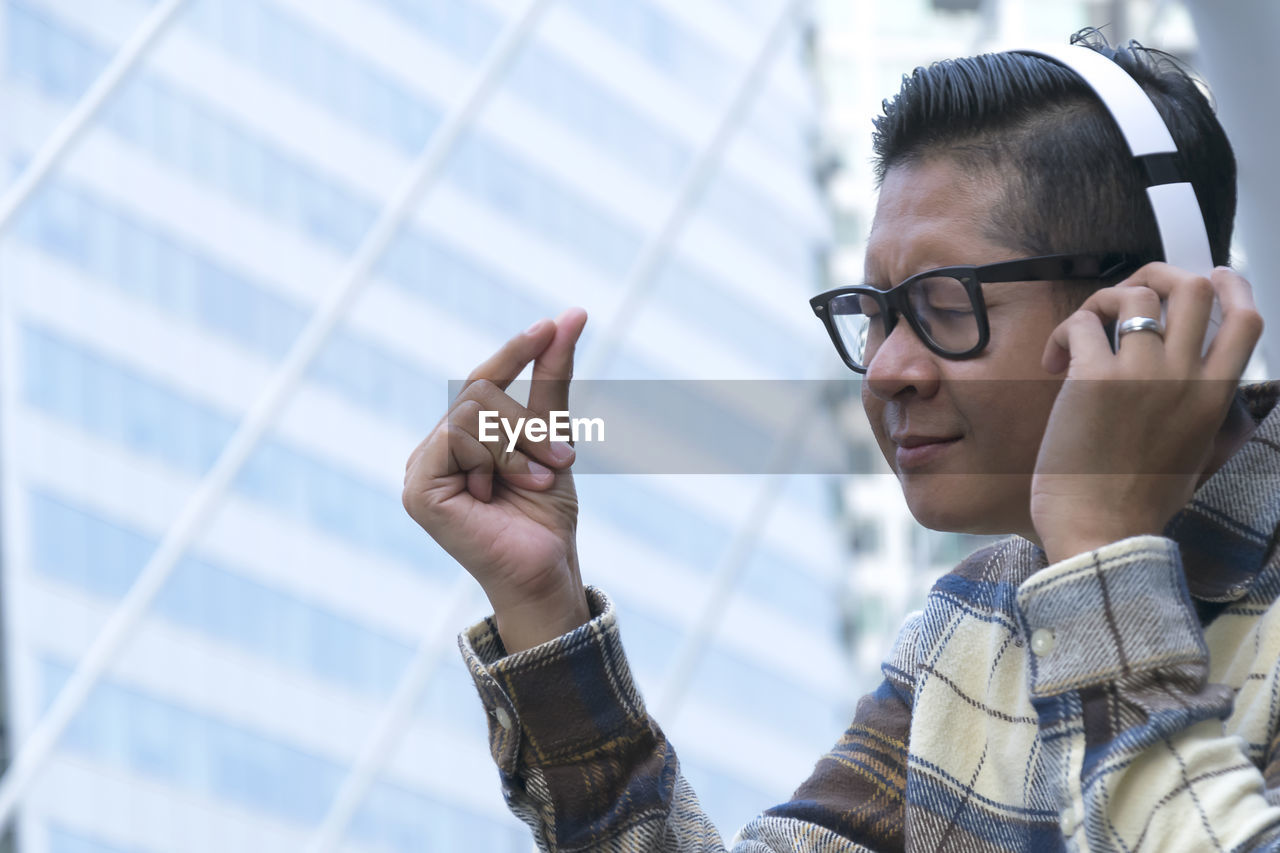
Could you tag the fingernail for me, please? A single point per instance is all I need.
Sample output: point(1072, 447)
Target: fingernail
point(561, 451)
point(534, 327)
point(539, 471)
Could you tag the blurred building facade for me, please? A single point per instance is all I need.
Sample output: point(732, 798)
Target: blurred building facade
point(158, 278)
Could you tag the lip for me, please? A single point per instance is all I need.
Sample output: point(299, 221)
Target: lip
point(915, 451)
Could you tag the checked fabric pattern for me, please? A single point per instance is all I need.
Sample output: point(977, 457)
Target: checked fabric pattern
point(1126, 699)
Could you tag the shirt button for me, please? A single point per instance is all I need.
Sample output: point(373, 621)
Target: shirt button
point(1237, 590)
point(1065, 822)
point(503, 718)
point(1042, 641)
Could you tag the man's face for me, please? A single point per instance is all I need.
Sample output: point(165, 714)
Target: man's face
point(932, 214)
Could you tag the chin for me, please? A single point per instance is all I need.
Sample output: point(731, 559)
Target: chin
point(955, 503)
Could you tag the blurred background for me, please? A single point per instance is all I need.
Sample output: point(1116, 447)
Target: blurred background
point(689, 172)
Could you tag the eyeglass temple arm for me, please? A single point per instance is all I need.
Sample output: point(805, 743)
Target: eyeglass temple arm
point(1055, 267)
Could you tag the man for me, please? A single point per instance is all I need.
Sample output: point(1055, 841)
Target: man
point(1106, 677)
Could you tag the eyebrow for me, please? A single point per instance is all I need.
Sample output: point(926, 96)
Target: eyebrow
point(881, 282)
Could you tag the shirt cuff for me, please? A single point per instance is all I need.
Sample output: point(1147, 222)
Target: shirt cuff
point(1098, 616)
point(559, 701)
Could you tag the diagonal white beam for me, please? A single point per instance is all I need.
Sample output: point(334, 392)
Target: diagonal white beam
point(120, 626)
point(733, 561)
point(397, 716)
point(81, 117)
point(639, 280)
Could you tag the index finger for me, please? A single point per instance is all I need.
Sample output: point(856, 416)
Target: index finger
point(505, 365)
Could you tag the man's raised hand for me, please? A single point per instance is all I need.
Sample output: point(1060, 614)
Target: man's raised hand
point(1147, 416)
point(510, 518)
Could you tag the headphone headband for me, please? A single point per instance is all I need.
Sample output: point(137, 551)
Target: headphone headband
point(1182, 231)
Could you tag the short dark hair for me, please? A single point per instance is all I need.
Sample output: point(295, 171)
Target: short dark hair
point(1071, 184)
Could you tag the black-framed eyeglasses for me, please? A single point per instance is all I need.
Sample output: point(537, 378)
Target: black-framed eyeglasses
point(944, 307)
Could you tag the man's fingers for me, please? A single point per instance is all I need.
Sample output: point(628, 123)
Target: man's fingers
point(1241, 327)
point(492, 417)
point(479, 462)
point(554, 366)
point(463, 454)
point(1189, 301)
point(505, 365)
point(1118, 304)
point(1080, 337)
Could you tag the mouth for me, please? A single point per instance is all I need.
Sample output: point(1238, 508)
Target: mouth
point(916, 451)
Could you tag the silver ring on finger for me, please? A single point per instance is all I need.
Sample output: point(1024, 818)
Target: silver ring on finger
point(1140, 324)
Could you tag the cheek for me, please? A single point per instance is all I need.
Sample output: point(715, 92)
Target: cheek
point(873, 406)
point(1019, 336)
point(1008, 423)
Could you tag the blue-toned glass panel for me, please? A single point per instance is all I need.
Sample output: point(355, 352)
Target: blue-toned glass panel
point(393, 817)
point(464, 27)
point(783, 129)
point(65, 841)
point(650, 640)
point(669, 525)
point(732, 319)
point(757, 221)
point(104, 558)
point(778, 581)
point(727, 801)
point(345, 84)
point(544, 79)
point(516, 189)
point(129, 728)
point(154, 421)
point(314, 203)
point(459, 286)
point(176, 278)
point(776, 702)
point(153, 738)
point(220, 152)
point(38, 51)
point(268, 38)
point(443, 701)
point(663, 43)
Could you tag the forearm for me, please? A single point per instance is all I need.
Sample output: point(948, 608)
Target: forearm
point(580, 760)
point(583, 764)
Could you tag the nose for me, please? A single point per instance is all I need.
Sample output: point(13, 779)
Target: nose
point(902, 363)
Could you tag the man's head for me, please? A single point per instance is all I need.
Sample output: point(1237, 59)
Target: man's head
point(1069, 183)
point(994, 158)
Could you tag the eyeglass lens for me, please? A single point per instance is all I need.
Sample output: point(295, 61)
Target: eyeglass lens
point(943, 311)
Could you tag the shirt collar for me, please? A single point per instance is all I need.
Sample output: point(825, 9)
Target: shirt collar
point(1225, 533)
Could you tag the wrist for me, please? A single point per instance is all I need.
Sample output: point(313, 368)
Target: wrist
point(1059, 551)
point(532, 621)
point(1056, 551)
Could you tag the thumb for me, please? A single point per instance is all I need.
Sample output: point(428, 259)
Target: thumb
point(553, 369)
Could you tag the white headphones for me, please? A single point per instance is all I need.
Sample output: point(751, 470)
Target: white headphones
point(1182, 231)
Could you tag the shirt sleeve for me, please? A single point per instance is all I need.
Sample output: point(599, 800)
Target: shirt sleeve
point(586, 768)
point(1119, 670)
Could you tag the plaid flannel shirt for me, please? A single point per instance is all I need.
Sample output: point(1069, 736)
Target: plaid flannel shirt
point(1124, 699)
